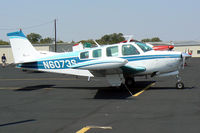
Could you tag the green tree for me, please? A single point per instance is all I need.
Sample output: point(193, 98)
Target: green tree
point(3, 42)
point(111, 38)
point(146, 40)
point(34, 38)
point(60, 41)
point(46, 40)
point(156, 39)
point(87, 41)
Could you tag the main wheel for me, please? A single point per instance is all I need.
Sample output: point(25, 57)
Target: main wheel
point(129, 82)
point(179, 85)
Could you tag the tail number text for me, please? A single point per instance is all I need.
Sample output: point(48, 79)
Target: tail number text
point(58, 64)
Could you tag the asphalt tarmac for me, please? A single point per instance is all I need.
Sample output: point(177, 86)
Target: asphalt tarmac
point(52, 103)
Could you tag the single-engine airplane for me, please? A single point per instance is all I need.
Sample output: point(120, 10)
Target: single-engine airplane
point(161, 47)
point(118, 63)
point(155, 46)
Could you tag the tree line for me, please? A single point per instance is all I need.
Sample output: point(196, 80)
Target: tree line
point(116, 38)
point(3, 42)
point(35, 38)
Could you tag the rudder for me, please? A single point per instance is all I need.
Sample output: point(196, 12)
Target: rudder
point(22, 49)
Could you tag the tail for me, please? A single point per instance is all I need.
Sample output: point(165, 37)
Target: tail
point(22, 49)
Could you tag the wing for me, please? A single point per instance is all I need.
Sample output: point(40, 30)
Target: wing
point(101, 64)
point(108, 66)
point(133, 70)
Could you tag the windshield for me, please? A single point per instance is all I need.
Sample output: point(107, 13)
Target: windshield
point(144, 47)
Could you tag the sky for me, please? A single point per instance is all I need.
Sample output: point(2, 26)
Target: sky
point(170, 20)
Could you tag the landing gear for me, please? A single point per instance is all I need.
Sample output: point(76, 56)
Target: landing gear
point(179, 84)
point(129, 82)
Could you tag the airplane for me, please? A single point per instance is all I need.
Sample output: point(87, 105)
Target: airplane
point(118, 63)
point(162, 46)
point(155, 47)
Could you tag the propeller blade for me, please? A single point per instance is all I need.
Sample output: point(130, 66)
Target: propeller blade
point(184, 56)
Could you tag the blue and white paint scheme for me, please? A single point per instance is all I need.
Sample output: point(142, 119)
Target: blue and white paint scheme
point(119, 63)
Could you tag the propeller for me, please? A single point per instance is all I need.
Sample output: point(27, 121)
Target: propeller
point(184, 56)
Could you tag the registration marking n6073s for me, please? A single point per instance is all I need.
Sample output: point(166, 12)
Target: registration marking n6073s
point(58, 64)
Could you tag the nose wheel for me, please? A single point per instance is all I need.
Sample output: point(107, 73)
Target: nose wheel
point(179, 84)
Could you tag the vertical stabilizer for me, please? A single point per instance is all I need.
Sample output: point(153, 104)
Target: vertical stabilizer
point(22, 49)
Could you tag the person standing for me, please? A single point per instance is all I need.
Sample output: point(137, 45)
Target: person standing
point(3, 59)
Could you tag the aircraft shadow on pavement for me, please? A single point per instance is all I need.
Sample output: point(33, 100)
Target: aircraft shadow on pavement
point(122, 92)
point(107, 92)
point(169, 88)
point(114, 92)
point(36, 87)
point(104, 92)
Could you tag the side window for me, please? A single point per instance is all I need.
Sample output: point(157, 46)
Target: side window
point(84, 55)
point(129, 50)
point(112, 51)
point(96, 53)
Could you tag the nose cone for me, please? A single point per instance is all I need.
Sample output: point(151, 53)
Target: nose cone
point(171, 47)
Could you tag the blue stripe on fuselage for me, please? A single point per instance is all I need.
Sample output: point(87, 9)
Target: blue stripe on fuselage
point(147, 57)
point(65, 63)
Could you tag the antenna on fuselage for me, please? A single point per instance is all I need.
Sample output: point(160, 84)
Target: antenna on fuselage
point(96, 43)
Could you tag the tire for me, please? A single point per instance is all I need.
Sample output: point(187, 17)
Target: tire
point(129, 82)
point(179, 85)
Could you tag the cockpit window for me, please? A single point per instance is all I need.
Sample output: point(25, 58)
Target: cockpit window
point(96, 53)
point(129, 49)
point(112, 51)
point(84, 55)
point(144, 47)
